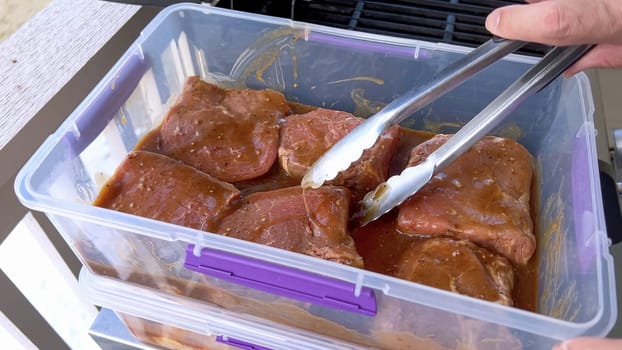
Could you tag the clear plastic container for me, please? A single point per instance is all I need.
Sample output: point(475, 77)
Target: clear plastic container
point(179, 323)
point(349, 71)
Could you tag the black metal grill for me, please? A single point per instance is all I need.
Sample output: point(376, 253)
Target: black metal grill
point(458, 22)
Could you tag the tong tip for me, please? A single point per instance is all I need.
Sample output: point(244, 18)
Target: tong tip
point(370, 205)
point(394, 191)
point(311, 181)
point(344, 152)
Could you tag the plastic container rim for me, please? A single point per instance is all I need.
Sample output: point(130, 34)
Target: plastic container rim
point(424, 295)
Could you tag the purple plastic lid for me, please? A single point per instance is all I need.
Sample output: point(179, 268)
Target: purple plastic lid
point(282, 280)
point(350, 43)
point(240, 343)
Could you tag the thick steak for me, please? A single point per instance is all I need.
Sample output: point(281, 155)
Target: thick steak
point(305, 137)
point(460, 267)
point(158, 187)
point(313, 222)
point(483, 196)
point(230, 134)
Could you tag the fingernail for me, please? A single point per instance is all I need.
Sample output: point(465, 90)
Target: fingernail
point(572, 70)
point(492, 21)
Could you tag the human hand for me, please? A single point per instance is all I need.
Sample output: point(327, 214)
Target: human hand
point(588, 343)
point(566, 22)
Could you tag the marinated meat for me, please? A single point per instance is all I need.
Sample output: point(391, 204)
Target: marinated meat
point(483, 196)
point(454, 265)
point(158, 187)
point(305, 137)
point(230, 134)
point(270, 208)
point(458, 266)
point(313, 222)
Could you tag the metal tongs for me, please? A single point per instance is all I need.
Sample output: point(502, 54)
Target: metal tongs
point(398, 188)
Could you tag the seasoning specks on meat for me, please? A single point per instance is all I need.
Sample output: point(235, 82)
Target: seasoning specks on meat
point(458, 266)
point(230, 134)
point(305, 137)
point(158, 187)
point(313, 222)
point(483, 196)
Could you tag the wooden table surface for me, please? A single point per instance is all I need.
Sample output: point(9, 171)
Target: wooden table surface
point(47, 67)
point(47, 51)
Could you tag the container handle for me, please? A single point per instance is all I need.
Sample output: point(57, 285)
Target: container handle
point(281, 280)
point(106, 104)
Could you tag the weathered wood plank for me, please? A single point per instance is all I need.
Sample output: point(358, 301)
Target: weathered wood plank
point(47, 51)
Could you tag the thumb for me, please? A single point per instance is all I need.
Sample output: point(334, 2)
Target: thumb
point(558, 22)
point(602, 56)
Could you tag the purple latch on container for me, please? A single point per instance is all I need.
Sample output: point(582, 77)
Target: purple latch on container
point(281, 280)
point(583, 212)
point(239, 343)
point(106, 104)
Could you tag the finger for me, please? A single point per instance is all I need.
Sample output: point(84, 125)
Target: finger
point(601, 56)
point(588, 343)
point(559, 22)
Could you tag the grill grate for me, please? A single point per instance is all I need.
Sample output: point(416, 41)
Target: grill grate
point(458, 22)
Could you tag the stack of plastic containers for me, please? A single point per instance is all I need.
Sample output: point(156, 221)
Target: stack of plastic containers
point(196, 278)
point(179, 323)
